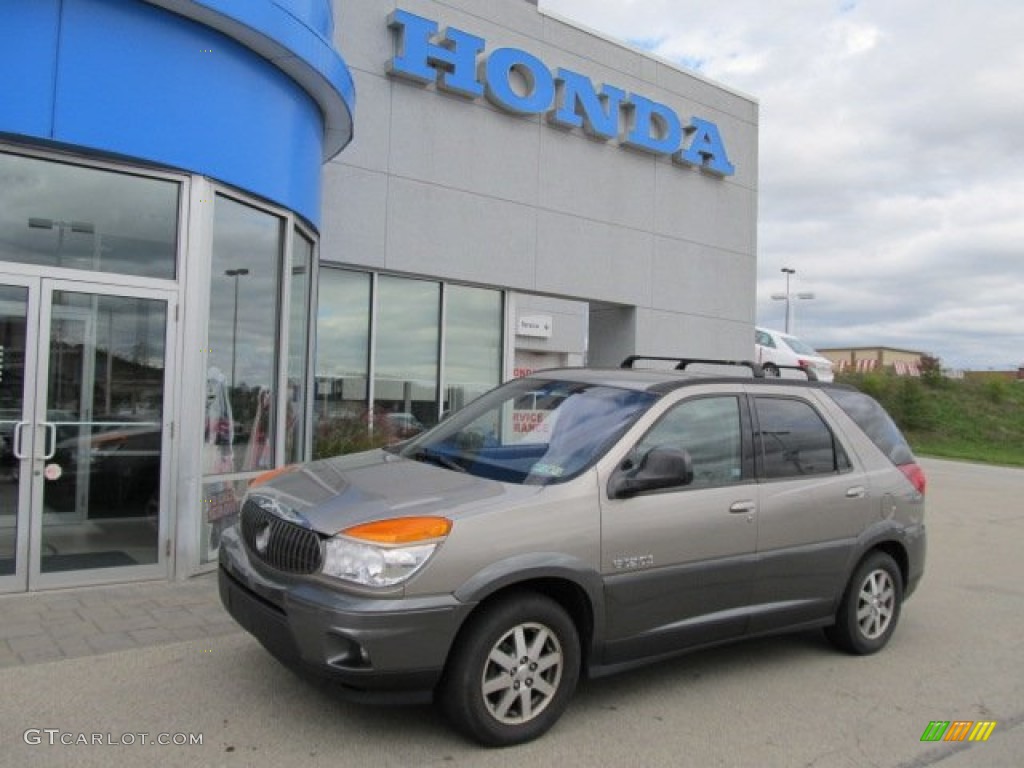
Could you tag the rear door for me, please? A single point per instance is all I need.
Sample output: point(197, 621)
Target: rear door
point(813, 502)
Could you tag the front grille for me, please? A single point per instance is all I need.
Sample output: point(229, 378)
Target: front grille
point(282, 545)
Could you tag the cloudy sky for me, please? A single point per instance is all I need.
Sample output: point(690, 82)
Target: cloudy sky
point(891, 158)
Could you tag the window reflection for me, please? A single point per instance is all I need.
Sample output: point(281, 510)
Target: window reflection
point(298, 337)
point(342, 360)
point(408, 335)
point(243, 336)
point(472, 354)
point(57, 215)
point(406, 355)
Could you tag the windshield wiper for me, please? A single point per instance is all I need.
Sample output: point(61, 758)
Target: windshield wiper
point(435, 457)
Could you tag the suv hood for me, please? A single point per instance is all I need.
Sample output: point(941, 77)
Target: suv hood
point(332, 494)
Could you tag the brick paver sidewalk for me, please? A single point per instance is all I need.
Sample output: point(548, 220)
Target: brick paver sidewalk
point(48, 626)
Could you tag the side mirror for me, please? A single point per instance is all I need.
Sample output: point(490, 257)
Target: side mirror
point(660, 468)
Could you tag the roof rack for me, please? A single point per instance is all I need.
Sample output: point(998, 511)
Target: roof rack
point(682, 362)
point(809, 373)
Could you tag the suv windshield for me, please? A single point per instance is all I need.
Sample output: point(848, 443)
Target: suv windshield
point(534, 431)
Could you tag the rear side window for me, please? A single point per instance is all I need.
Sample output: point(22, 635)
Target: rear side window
point(795, 441)
point(875, 423)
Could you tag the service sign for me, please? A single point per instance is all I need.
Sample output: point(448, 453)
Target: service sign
point(537, 326)
point(518, 82)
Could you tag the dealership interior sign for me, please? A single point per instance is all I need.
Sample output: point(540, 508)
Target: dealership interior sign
point(518, 82)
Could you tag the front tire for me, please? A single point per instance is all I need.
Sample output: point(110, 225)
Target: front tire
point(512, 671)
point(870, 608)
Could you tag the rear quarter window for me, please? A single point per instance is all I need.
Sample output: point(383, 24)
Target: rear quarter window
point(875, 423)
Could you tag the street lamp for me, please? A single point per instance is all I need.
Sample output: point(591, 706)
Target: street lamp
point(78, 227)
point(234, 274)
point(788, 298)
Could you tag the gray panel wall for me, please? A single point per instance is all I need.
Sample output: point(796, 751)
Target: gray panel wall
point(439, 185)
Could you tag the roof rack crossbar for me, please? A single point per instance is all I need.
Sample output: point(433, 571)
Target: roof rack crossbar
point(683, 362)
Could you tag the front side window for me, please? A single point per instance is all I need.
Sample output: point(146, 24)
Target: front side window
point(794, 441)
point(531, 431)
point(708, 429)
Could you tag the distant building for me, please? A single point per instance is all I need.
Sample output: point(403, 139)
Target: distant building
point(1008, 375)
point(903, 362)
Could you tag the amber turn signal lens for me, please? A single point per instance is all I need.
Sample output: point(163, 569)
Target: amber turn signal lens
point(401, 530)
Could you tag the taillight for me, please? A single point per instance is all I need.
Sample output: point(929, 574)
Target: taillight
point(804, 363)
point(915, 475)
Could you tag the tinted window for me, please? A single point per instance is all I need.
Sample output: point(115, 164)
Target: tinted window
point(795, 441)
point(875, 423)
point(709, 430)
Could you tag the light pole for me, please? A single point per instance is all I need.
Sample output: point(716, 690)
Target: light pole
point(788, 298)
point(78, 227)
point(234, 274)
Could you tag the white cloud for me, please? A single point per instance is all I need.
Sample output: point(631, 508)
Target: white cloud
point(891, 158)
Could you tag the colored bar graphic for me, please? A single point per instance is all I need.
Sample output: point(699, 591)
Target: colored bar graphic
point(935, 731)
point(982, 730)
point(958, 730)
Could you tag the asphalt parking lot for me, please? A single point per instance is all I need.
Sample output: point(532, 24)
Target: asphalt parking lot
point(789, 701)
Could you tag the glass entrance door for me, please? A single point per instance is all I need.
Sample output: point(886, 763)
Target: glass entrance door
point(84, 433)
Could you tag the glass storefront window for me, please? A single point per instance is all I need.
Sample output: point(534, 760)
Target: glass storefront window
point(241, 374)
point(342, 362)
point(298, 345)
point(407, 351)
point(472, 347)
point(53, 214)
point(406, 356)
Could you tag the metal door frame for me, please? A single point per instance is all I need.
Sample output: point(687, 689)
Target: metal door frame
point(33, 446)
point(22, 442)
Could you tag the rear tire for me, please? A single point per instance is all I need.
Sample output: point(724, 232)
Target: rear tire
point(870, 608)
point(512, 671)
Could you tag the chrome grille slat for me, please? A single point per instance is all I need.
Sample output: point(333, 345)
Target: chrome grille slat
point(290, 548)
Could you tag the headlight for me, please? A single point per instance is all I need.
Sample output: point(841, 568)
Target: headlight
point(385, 552)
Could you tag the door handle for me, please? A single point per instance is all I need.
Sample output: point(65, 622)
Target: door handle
point(857, 492)
point(16, 439)
point(742, 507)
point(50, 428)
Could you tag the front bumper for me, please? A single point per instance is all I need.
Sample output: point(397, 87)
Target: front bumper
point(374, 648)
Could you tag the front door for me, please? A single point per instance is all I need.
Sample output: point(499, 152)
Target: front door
point(85, 429)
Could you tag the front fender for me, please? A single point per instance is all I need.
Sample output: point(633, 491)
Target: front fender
point(550, 567)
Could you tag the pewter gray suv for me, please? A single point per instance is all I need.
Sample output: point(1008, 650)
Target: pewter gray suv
point(577, 522)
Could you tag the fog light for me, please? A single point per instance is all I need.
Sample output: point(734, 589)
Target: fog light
point(345, 652)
